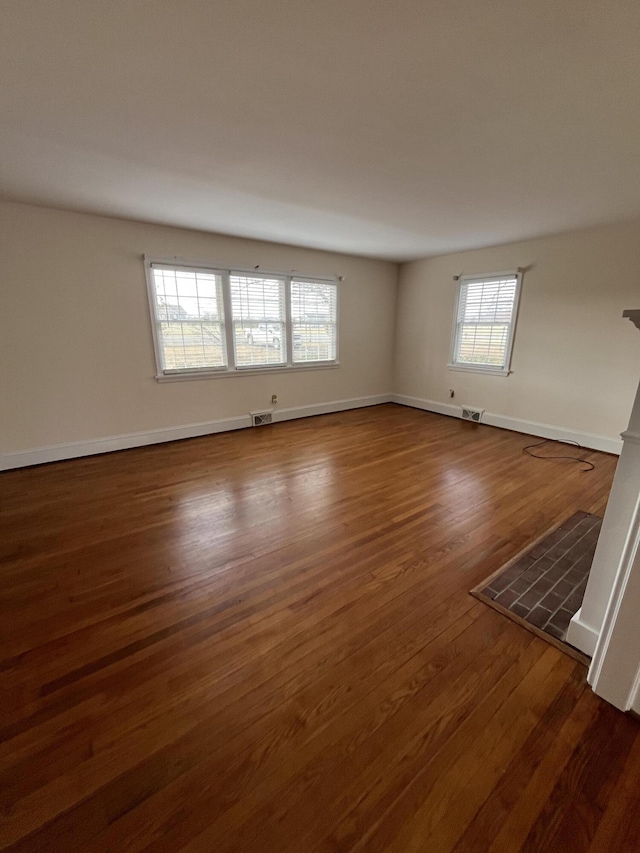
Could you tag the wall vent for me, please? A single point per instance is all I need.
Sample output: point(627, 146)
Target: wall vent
point(261, 418)
point(470, 414)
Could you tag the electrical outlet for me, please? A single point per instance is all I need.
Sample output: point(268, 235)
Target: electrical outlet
point(274, 399)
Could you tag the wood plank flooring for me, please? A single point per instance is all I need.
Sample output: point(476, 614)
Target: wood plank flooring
point(264, 641)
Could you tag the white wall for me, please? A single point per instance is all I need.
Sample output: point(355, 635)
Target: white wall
point(575, 360)
point(76, 350)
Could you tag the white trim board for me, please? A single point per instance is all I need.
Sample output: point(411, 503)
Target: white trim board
point(581, 635)
point(74, 450)
point(428, 405)
point(586, 439)
point(614, 673)
point(327, 408)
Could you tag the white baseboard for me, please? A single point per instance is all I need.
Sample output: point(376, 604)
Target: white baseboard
point(581, 635)
point(73, 450)
point(328, 408)
point(428, 405)
point(585, 439)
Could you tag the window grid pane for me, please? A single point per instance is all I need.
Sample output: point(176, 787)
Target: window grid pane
point(190, 319)
point(314, 320)
point(485, 315)
point(259, 321)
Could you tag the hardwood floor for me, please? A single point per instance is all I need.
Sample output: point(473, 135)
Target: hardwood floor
point(263, 641)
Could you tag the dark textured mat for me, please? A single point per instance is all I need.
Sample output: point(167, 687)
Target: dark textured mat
point(544, 585)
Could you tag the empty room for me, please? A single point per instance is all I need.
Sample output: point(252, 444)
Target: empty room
point(319, 426)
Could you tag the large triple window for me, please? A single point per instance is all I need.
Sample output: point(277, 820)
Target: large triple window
point(208, 321)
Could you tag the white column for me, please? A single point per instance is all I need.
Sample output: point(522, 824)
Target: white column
point(615, 670)
point(607, 626)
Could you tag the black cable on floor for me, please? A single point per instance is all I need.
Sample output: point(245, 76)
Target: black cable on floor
point(529, 448)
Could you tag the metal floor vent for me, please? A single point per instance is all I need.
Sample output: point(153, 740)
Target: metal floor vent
point(469, 414)
point(261, 418)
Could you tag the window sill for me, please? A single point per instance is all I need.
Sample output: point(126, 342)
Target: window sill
point(243, 371)
point(486, 370)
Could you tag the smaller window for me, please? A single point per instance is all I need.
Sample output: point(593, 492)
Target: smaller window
point(484, 322)
point(314, 307)
point(258, 311)
point(189, 319)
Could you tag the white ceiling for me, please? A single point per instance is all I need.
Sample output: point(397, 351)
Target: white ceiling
point(389, 128)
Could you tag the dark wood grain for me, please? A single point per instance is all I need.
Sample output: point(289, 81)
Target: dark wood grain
point(264, 641)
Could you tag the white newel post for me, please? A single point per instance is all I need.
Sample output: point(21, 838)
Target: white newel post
point(607, 626)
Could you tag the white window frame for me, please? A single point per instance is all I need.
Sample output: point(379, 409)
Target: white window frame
point(505, 370)
point(225, 272)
